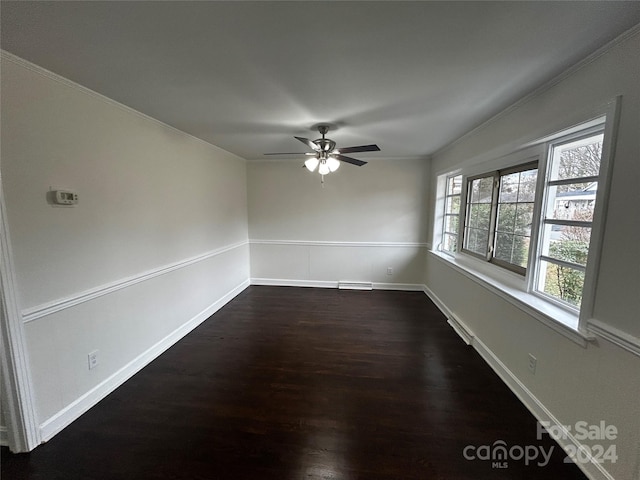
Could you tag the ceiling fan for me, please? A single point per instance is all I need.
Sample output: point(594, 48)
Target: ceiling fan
point(325, 156)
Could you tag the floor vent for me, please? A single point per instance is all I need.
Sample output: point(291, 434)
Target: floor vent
point(355, 285)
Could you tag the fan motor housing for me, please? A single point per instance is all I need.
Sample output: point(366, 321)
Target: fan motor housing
point(325, 144)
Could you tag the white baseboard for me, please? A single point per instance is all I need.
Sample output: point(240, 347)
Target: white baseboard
point(435, 299)
point(403, 287)
point(286, 282)
point(4, 438)
point(592, 470)
point(460, 328)
point(71, 412)
point(281, 282)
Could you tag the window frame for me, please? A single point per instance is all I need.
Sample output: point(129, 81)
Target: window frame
point(467, 180)
point(573, 323)
point(593, 255)
point(530, 163)
point(447, 196)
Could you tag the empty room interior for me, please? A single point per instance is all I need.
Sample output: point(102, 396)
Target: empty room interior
point(331, 240)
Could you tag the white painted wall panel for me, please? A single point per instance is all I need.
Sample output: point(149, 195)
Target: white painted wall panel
point(381, 202)
point(279, 261)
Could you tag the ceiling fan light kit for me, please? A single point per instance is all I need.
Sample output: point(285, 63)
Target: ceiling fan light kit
point(327, 163)
point(325, 156)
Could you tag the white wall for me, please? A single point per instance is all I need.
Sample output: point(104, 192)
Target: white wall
point(363, 221)
point(157, 242)
point(601, 381)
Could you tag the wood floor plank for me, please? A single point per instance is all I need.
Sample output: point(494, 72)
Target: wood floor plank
point(300, 383)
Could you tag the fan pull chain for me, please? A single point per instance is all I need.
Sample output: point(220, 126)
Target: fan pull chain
point(322, 180)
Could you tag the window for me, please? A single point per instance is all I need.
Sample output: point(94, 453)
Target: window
point(453, 190)
point(570, 191)
point(499, 216)
point(478, 215)
point(542, 219)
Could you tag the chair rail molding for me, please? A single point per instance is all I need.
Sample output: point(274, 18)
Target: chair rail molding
point(615, 336)
point(326, 243)
point(39, 311)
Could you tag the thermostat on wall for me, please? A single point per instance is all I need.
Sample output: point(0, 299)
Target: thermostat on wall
point(65, 197)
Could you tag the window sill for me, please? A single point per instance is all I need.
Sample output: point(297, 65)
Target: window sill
point(510, 287)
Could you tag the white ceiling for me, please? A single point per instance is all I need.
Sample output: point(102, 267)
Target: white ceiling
point(247, 76)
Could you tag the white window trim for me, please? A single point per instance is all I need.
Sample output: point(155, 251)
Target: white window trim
point(514, 288)
point(444, 213)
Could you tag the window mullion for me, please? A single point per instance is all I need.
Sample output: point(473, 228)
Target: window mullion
point(571, 181)
point(563, 263)
point(568, 223)
point(494, 214)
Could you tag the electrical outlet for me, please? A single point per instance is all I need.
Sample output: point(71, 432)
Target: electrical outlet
point(532, 364)
point(389, 270)
point(93, 359)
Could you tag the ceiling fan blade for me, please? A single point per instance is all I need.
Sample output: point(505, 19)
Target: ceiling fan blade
point(291, 153)
point(352, 161)
point(308, 143)
point(361, 148)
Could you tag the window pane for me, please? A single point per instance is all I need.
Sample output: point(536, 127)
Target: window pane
point(576, 201)
point(479, 216)
point(451, 224)
point(450, 243)
point(513, 249)
point(506, 218)
point(481, 190)
point(515, 216)
point(520, 254)
point(454, 185)
point(580, 158)
point(527, 189)
point(486, 190)
point(561, 282)
point(476, 240)
point(509, 188)
point(504, 247)
point(482, 242)
point(453, 204)
point(524, 218)
point(567, 243)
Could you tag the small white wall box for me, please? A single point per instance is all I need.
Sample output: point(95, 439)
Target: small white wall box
point(65, 197)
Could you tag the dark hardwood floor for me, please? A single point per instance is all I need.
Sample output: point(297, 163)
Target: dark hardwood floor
point(300, 383)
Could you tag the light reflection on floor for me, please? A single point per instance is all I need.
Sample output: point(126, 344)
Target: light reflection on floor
point(324, 457)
